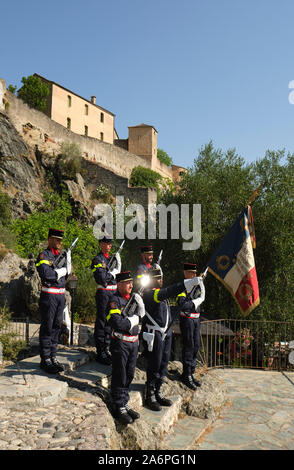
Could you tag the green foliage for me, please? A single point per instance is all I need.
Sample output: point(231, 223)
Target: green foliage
point(70, 159)
point(5, 207)
point(145, 177)
point(163, 157)
point(32, 236)
point(12, 88)
point(34, 92)
point(222, 183)
point(34, 230)
point(10, 344)
point(102, 193)
point(7, 238)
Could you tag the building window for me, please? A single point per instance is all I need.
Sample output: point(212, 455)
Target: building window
point(86, 130)
point(86, 109)
point(69, 101)
point(68, 123)
point(101, 136)
point(101, 117)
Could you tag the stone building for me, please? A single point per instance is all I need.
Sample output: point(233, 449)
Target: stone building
point(78, 114)
point(89, 125)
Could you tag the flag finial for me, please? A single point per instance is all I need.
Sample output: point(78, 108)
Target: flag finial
point(254, 194)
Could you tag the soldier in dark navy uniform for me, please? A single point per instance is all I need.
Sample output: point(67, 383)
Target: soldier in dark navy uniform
point(146, 264)
point(52, 300)
point(123, 346)
point(106, 286)
point(190, 326)
point(157, 333)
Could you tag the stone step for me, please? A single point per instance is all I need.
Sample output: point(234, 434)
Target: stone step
point(26, 384)
point(185, 434)
point(92, 372)
point(147, 432)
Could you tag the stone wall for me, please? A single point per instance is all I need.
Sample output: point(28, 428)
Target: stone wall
point(117, 185)
point(38, 129)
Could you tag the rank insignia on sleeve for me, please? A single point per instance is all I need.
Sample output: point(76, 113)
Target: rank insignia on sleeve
point(112, 305)
point(42, 256)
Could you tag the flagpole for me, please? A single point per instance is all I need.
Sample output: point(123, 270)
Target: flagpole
point(254, 195)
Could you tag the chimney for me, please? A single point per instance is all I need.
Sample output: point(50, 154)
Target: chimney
point(93, 99)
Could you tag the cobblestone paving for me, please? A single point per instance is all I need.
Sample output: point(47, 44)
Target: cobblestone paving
point(81, 421)
point(260, 415)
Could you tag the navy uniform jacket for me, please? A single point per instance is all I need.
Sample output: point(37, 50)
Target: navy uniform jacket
point(101, 274)
point(115, 319)
point(46, 271)
point(156, 304)
point(186, 305)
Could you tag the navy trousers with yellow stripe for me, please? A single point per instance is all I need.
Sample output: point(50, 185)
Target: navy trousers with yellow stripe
point(124, 357)
point(190, 330)
point(51, 308)
point(157, 359)
point(102, 330)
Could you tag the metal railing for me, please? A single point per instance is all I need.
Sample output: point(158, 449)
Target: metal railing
point(246, 343)
point(21, 329)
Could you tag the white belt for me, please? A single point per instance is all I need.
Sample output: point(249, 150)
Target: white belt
point(53, 290)
point(190, 315)
point(114, 287)
point(129, 339)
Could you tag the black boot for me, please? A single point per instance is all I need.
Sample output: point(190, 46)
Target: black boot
point(103, 358)
point(107, 352)
point(122, 415)
point(48, 367)
point(161, 400)
point(57, 364)
point(133, 414)
point(150, 400)
point(188, 381)
point(196, 382)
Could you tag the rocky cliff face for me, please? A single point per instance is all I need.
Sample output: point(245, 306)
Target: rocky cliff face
point(21, 175)
point(25, 174)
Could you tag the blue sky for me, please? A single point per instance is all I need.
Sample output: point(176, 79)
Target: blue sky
point(196, 70)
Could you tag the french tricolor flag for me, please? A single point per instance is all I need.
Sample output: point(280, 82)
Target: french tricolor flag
point(233, 263)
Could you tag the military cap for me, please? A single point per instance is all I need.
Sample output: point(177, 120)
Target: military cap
point(124, 277)
point(190, 267)
point(106, 238)
point(146, 249)
point(54, 232)
point(154, 273)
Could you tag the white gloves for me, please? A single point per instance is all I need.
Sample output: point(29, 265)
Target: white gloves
point(134, 320)
point(141, 306)
point(117, 269)
point(156, 266)
point(201, 298)
point(190, 283)
point(68, 261)
point(61, 272)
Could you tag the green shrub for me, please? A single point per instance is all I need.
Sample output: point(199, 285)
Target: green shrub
point(70, 159)
point(34, 230)
point(12, 88)
point(11, 346)
point(145, 177)
point(163, 157)
point(102, 193)
point(5, 207)
point(84, 302)
point(34, 92)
